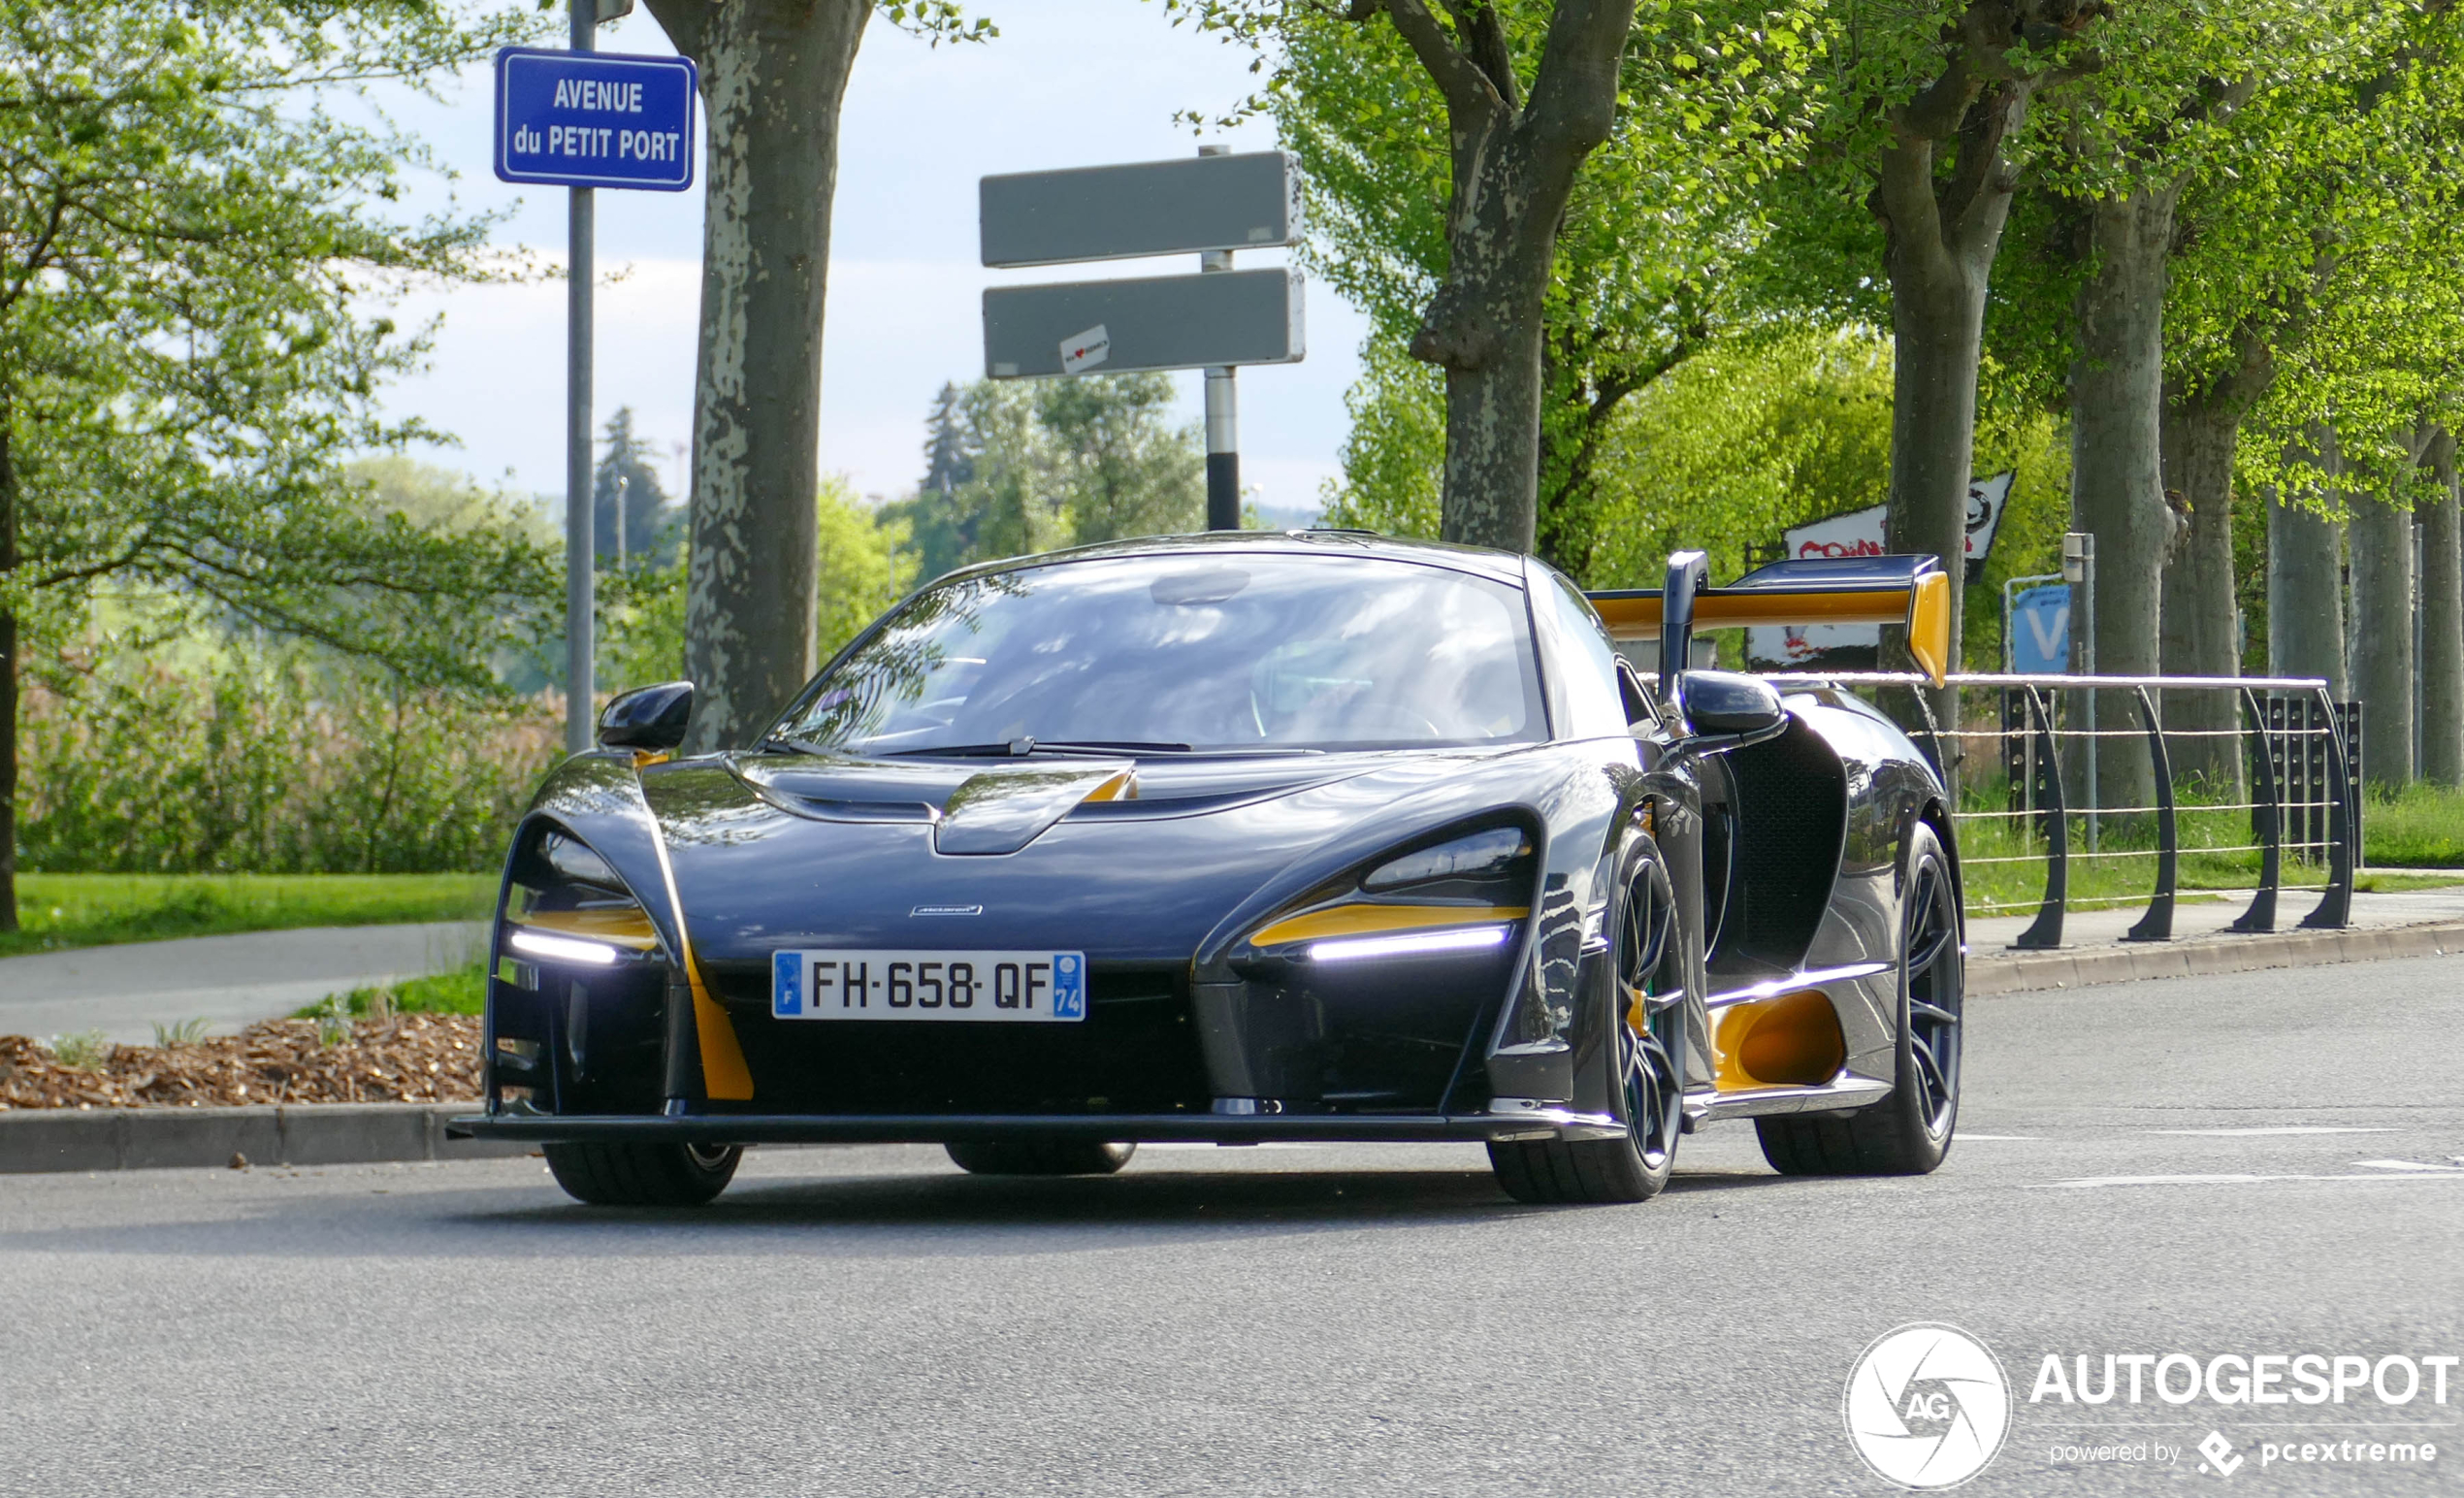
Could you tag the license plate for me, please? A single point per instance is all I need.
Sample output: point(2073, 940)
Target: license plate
point(989, 986)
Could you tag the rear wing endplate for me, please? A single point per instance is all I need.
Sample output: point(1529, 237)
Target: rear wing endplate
point(1909, 590)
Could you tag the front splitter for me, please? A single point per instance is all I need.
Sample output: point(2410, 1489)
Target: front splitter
point(942, 1129)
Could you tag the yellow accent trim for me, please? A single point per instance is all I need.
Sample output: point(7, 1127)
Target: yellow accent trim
point(1792, 1040)
point(724, 1075)
point(1924, 609)
point(1361, 920)
point(1930, 625)
point(629, 927)
point(1122, 787)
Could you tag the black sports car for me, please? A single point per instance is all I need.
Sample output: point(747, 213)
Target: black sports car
point(1305, 836)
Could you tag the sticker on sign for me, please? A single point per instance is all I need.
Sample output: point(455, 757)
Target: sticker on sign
point(1085, 350)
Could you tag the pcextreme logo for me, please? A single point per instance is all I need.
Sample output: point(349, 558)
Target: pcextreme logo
point(1926, 1406)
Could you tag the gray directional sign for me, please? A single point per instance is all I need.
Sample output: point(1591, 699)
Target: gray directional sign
point(1147, 208)
point(1164, 322)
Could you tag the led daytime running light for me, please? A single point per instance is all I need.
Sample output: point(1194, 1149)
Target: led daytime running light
point(1473, 938)
point(561, 948)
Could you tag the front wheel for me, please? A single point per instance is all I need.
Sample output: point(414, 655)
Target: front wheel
point(1648, 1030)
point(1038, 1156)
point(1907, 1133)
point(643, 1175)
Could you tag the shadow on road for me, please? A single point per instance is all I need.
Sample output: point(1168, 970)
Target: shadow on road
point(926, 1213)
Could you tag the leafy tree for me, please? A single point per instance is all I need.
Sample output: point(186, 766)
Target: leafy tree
point(1503, 102)
point(1014, 468)
point(859, 564)
point(183, 364)
point(773, 73)
point(648, 529)
point(1645, 257)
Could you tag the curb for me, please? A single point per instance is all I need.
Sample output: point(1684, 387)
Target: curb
point(2013, 973)
point(36, 1140)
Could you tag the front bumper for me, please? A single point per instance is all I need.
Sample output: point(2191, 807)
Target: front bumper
point(942, 1129)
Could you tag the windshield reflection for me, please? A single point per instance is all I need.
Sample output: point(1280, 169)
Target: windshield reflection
point(1221, 653)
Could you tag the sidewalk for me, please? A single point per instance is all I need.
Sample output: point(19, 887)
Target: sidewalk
point(2410, 922)
point(227, 981)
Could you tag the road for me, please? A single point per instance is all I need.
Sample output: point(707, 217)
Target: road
point(226, 981)
point(2221, 1165)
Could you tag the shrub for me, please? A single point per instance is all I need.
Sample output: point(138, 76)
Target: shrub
point(280, 765)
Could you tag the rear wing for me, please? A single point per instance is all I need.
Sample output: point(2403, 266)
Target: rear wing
point(1909, 590)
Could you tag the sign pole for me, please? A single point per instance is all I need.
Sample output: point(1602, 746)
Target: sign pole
point(1223, 414)
point(580, 541)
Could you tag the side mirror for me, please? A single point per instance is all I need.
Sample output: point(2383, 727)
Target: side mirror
point(647, 718)
point(1730, 706)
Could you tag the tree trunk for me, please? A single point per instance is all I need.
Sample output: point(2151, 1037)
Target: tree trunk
point(1943, 194)
point(2199, 619)
point(1513, 169)
point(2116, 479)
point(2304, 580)
point(773, 73)
point(2382, 540)
point(2442, 621)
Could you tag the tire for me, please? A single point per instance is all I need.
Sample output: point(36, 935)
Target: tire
point(1038, 1156)
point(643, 1175)
point(1649, 976)
point(1907, 1133)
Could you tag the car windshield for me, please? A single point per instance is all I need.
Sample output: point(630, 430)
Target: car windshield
point(1228, 652)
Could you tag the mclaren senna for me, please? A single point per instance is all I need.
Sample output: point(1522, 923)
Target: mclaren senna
point(1317, 835)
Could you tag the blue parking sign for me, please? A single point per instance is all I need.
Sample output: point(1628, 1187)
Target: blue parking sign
point(2040, 630)
point(595, 119)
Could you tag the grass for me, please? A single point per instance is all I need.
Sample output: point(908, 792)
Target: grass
point(2411, 832)
point(2422, 827)
point(463, 991)
point(57, 911)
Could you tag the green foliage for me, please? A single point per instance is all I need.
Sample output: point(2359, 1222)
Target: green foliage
point(1644, 260)
point(183, 1032)
point(1394, 459)
point(462, 990)
point(1014, 468)
point(2422, 827)
point(58, 911)
point(271, 761)
point(194, 255)
point(862, 572)
point(653, 531)
point(84, 1050)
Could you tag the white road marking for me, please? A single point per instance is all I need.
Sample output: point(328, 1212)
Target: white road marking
point(2243, 1180)
point(2004, 1138)
point(2235, 1134)
point(2402, 1165)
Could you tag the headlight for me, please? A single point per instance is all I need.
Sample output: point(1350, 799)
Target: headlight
point(1466, 894)
point(1480, 856)
point(568, 905)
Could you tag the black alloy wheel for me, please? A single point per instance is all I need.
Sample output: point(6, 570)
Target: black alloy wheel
point(1038, 1156)
point(643, 1175)
point(1909, 1132)
point(1647, 1028)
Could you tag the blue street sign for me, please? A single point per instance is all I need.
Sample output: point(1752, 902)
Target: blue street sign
point(2040, 630)
point(593, 119)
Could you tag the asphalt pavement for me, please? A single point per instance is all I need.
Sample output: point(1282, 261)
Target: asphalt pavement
point(227, 981)
point(2254, 1167)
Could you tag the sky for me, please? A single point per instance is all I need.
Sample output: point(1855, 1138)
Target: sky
point(1069, 82)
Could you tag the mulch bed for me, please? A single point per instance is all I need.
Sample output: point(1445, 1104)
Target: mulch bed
point(410, 1059)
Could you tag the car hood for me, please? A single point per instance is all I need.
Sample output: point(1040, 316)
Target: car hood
point(1126, 861)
